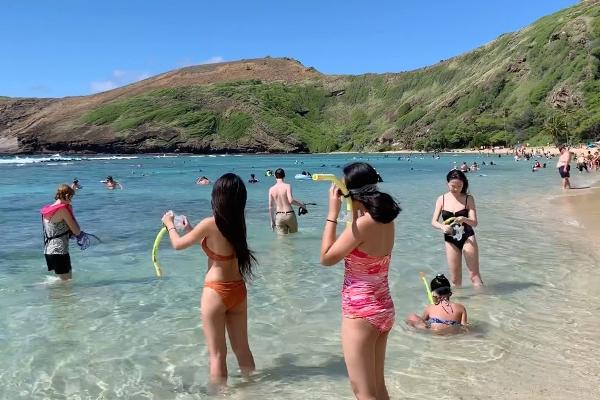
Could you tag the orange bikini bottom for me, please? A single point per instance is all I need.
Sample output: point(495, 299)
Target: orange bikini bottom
point(232, 292)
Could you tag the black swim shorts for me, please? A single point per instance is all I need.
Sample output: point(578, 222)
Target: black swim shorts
point(564, 172)
point(59, 263)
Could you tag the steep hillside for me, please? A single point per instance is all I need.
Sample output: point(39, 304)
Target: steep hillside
point(538, 85)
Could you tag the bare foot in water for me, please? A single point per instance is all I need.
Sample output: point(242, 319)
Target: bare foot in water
point(477, 282)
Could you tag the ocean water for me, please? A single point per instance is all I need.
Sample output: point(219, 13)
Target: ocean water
point(119, 332)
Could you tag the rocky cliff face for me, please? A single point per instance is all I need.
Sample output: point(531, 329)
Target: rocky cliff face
point(57, 125)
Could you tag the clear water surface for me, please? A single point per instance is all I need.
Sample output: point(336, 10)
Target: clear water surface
point(117, 331)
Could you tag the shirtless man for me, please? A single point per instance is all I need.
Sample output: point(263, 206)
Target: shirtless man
point(564, 166)
point(283, 218)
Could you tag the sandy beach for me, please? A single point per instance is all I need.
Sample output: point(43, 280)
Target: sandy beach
point(577, 217)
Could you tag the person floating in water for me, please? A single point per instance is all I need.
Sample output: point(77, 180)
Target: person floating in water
point(281, 214)
point(58, 223)
point(75, 185)
point(536, 166)
point(443, 313)
point(202, 180)
point(111, 184)
point(253, 179)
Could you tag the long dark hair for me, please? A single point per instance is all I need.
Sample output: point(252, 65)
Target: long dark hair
point(228, 204)
point(361, 180)
point(456, 174)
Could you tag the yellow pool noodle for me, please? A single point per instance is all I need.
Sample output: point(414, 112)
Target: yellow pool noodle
point(159, 237)
point(427, 290)
point(341, 186)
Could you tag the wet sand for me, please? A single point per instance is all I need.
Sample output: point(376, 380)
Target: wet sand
point(571, 369)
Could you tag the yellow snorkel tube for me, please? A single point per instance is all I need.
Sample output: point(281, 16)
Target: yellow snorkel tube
point(449, 221)
point(159, 237)
point(427, 289)
point(342, 187)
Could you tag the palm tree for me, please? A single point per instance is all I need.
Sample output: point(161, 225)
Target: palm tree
point(556, 125)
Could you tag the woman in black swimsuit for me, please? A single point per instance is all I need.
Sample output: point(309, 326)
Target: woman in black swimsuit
point(459, 217)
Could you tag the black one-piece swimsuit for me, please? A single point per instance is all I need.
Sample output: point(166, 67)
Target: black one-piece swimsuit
point(468, 230)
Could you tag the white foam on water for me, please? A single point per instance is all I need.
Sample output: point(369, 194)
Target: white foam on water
point(50, 280)
point(35, 160)
point(112, 158)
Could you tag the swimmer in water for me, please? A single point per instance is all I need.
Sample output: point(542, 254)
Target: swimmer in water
point(202, 180)
point(253, 179)
point(75, 185)
point(111, 184)
point(443, 313)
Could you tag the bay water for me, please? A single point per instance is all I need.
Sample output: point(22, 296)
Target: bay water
point(119, 332)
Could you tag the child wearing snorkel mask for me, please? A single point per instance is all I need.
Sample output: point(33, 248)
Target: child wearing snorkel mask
point(443, 313)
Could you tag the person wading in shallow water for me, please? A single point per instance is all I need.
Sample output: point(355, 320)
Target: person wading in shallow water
point(459, 217)
point(224, 304)
point(58, 223)
point(284, 218)
point(366, 247)
point(564, 166)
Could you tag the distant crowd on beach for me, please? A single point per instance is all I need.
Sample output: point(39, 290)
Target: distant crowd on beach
point(587, 159)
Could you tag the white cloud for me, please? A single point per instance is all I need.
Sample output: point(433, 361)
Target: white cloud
point(188, 62)
point(119, 77)
point(142, 76)
point(119, 73)
point(212, 60)
point(102, 86)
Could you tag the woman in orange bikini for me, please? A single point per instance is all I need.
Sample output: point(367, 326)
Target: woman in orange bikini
point(223, 303)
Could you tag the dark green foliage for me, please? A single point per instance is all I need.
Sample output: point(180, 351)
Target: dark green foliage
point(235, 125)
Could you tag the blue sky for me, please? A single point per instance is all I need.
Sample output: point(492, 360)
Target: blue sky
point(77, 47)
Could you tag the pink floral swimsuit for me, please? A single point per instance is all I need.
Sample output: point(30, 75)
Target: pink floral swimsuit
point(366, 293)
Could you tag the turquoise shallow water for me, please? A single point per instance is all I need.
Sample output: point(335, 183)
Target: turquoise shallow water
point(117, 331)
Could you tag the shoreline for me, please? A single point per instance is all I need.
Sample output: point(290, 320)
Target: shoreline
point(467, 151)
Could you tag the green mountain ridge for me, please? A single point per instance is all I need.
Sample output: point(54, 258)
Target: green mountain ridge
point(539, 85)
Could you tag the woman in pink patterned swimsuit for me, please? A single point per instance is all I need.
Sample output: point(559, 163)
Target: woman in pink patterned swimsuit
point(366, 247)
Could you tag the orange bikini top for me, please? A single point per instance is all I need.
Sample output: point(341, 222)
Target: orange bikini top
point(214, 256)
